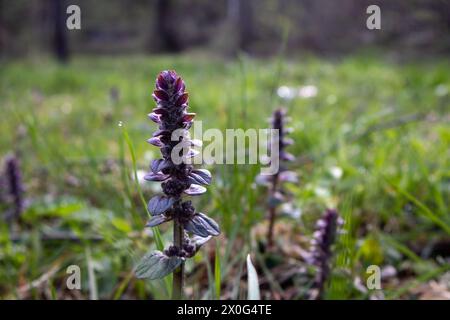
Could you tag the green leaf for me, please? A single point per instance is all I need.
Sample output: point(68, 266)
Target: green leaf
point(423, 209)
point(252, 281)
point(371, 251)
point(121, 224)
point(217, 273)
point(156, 265)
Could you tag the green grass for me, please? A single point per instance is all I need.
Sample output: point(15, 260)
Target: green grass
point(386, 126)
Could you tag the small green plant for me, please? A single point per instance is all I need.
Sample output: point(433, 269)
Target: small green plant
point(178, 177)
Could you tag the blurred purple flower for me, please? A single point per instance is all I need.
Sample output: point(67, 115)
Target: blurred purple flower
point(274, 182)
point(13, 177)
point(321, 247)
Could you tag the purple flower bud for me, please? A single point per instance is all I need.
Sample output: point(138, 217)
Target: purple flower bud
point(187, 209)
point(154, 117)
point(171, 251)
point(155, 141)
point(160, 95)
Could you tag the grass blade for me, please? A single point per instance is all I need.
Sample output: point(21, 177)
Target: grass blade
point(157, 234)
point(426, 212)
point(217, 273)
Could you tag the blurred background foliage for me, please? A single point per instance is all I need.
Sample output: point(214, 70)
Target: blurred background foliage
point(225, 27)
point(370, 112)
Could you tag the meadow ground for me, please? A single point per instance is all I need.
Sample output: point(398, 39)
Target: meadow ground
point(372, 138)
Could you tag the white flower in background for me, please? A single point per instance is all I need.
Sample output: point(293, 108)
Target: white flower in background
point(291, 210)
point(322, 192)
point(336, 172)
point(305, 92)
point(308, 91)
point(140, 176)
point(441, 90)
point(285, 92)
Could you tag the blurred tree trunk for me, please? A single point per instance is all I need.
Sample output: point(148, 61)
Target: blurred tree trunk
point(240, 21)
point(245, 24)
point(60, 45)
point(229, 43)
point(166, 26)
point(2, 36)
point(36, 42)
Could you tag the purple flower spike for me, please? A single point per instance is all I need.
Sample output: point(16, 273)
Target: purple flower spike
point(15, 187)
point(274, 182)
point(170, 113)
point(321, 245)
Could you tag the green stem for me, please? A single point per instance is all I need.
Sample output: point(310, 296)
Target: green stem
point(178, 274)
point(272, 212)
